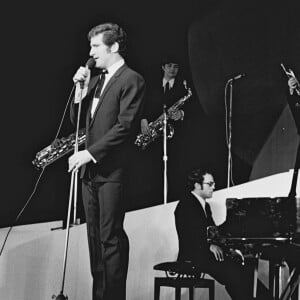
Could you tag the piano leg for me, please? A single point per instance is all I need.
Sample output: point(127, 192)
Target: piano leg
point(275, 277)
point(255, 277)
point(293, 282)
point(277, 281)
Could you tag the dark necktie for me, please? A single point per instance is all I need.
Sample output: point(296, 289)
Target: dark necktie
point(167, 87)
point(98, 91)
point(100, 84)
point(207, 209)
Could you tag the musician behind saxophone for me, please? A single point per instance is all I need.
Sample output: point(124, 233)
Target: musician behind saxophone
point(166, 91)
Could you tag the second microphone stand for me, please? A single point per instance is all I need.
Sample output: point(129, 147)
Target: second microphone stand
point(229, 125)
point(165, 155)
point(229, 134)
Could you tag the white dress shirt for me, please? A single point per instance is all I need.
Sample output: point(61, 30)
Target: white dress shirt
point(171, 83)
point(110, 72)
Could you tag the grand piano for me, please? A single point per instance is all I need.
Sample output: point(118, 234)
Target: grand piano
point(257, 234)
point(267, 228)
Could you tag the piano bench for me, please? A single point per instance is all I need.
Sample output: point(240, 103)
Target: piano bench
point(182, 275)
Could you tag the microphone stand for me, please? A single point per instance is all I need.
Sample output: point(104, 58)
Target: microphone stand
point(72, 193)
point(165, 156)
point(229, 141)
point(76, 146)
point(229, 128)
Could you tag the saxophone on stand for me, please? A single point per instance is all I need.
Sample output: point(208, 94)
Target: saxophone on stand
point(156, 127)
point(57, 149)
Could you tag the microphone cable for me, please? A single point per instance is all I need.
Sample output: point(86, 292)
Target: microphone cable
point(39, 177)
point(22, 210)
point(64, 114)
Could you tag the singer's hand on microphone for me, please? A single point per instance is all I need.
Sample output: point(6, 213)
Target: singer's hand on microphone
point(82, 76)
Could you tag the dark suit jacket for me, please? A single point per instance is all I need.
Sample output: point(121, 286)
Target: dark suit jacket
point(191, 223)
point(109, 132)
point(155, 99)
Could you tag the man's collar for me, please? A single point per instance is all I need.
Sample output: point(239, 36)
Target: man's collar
point(171, 82)
point(114, 67)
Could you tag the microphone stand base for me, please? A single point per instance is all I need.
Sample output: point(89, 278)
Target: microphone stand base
point(60, 297)
point(78, 222)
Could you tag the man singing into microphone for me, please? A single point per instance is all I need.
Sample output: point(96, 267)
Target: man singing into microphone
point(111, 107)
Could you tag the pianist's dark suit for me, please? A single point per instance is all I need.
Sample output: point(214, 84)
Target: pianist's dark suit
point(191, 223)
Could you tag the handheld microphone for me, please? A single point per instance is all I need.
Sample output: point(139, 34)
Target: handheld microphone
point(90, 63)
point(88, 66)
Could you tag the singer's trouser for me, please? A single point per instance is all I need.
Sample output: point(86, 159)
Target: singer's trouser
point(108, 242)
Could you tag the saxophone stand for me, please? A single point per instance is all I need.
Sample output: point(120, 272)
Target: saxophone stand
point(165, 156)
point(72, 194)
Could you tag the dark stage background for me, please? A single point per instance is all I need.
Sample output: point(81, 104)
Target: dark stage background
point(45, 43)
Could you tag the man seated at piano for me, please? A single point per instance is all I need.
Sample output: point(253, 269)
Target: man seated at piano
point(192, 218)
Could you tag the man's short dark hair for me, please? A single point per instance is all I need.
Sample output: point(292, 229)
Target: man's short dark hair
point(169, 60)
point(196, 176)
point(112, 33)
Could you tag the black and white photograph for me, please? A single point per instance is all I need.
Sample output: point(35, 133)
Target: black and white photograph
point(150, 150)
